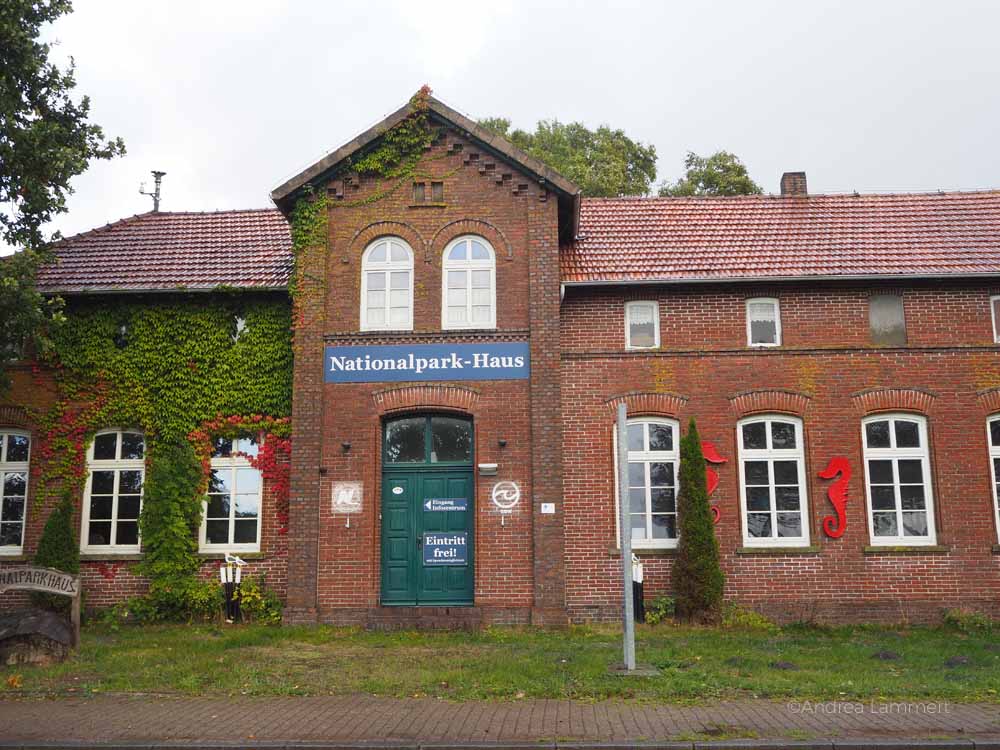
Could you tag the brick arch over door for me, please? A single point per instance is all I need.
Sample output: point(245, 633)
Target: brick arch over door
point(769, 401)
point(650, 404)
point(462, 227)
point(367, 235)
point(425, 398)
point(874, 400)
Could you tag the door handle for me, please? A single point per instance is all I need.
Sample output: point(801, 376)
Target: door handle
point(420, 542)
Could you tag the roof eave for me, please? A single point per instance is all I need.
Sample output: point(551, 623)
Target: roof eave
point(674, 281)
point(218, 288)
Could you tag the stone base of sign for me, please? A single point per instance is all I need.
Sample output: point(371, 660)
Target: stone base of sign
point(32, 636)
point(641, 670)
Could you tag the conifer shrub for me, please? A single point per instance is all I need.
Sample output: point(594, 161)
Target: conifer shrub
point(697, 574)
point(58, 549)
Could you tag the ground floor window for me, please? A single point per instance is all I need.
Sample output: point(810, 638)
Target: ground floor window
point(113, 497)
point(993, 436)
point(15, 449)
point(652, 482)
point(231, 518)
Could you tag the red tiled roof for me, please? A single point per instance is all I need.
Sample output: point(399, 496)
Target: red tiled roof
point(166, 251)
point(760, 237)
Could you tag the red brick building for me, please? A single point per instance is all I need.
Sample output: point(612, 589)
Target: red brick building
point(464, 335)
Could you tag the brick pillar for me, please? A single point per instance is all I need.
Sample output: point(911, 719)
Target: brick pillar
point(549, 607)
point(307, 436)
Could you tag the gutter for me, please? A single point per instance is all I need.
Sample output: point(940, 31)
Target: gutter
point(782, 279)
point(220, 289)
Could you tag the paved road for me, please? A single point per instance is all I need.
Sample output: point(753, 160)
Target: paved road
point(124, 719)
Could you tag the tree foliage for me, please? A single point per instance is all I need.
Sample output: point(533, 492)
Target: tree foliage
point(697, 573)
point(46, 139)
point(722, 173)
point(603, 162)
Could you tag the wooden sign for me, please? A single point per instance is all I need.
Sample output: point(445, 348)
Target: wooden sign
point(49, 581)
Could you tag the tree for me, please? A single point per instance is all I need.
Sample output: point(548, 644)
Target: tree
point(697, 574)
point(46, 139)
point(722, 173)
point(58, 548)
point(603, 162)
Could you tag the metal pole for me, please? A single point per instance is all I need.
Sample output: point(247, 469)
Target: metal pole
point(626, 538)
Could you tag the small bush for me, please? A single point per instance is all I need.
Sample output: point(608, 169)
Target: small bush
point(735, 616)
point(258, 602)
point(661, 608)
point(58, 549)
point(967, 621)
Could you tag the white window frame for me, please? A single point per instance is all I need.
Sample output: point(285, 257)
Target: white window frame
point(629, 306)
point(993, 315)
point(895, 454)
point(231, 464)
point(777, 320)
point(994, 453)
point(386, 267)
point(116, 465)
point(468, 266)
point(770, 455)
point(14, 467)
point(648, 457)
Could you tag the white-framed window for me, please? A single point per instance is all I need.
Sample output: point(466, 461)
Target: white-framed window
point(653, 456)
point(387, 286)
point(642, 325)
point(15, 455)
point(993, 441)
point(112, 501)
point(773, 494)
point(468, 284)
point(763, 322)
point(231, 512)
point(898, 480)
point(995, 314)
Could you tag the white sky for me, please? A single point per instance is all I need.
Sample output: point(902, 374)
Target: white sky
point(230, 98)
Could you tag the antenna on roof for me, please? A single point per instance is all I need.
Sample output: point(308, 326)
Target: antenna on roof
point(155, 195)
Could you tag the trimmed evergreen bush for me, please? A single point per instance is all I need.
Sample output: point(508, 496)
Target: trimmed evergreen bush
point(58, 549)
point(697, 574)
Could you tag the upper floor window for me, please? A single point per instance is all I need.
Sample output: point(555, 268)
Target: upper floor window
point(993, 435)
point(898, 480)
point(113, 497)
point(886, 320)
point(387, 286)
point(642, 325)
point(772, 481)
point(469, 284)
point(995, 313)
point(231, 518)
point(763, 322)
point(652, 482)
point(15, 450)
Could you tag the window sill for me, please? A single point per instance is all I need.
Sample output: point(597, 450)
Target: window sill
point(615, 551)
point(14, 557)
point(110, 556)
point(221, 555)
point(429, 204)
point(918, 549)
point(778, 551)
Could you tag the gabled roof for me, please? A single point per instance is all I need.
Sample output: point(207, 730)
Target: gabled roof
point(569, 194)
point(671, 240)
point(249, 249)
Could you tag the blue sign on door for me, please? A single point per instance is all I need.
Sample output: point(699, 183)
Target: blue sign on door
point(445, 548)
point(378, 364)
point(446, 503)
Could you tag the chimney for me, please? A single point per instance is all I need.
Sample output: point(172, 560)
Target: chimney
point(793, 185)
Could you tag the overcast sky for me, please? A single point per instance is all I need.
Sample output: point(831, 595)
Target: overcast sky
point(230, 98)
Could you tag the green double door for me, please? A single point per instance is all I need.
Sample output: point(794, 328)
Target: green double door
point(427, 514)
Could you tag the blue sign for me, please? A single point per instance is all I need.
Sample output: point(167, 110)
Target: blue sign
point(446, 503)
point(445, 548)
point(379, 364)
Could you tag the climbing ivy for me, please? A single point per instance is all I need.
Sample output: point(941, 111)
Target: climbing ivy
point(173, 367)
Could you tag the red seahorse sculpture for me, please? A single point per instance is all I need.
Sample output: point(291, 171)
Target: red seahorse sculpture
point(834, 526)
point(711, 475)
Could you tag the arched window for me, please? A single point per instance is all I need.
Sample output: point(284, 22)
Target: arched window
point(898, 480)
point(652, 482)
point(993, 438)
point(231, 517)
point(772, 481)
point(15, 451)
point(387, 286)
point(468, 294)
point(112, 501)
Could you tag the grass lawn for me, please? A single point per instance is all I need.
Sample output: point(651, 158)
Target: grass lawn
point(694, 663)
